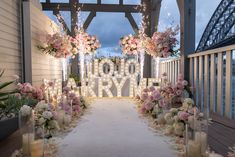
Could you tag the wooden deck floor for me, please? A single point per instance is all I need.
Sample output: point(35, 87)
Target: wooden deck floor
point(10, 144)
point(221, 136)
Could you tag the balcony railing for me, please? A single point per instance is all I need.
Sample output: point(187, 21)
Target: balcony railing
point(212, 76)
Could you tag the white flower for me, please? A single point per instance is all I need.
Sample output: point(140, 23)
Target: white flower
point(173, 110)
point(41, 106)
point(54, 125)
point(25, 110)
point(47, 115)
point(41, 121)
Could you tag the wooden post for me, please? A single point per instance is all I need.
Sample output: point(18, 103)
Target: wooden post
point(147, 27)
point(187, 33)
point(27, 45)
point(74, 21)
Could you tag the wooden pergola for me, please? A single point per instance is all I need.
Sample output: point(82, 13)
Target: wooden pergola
point(149, 8)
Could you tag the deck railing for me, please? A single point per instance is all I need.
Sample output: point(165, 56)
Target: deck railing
point(212, 74)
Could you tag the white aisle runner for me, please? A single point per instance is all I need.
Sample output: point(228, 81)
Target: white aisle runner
point(113, 128)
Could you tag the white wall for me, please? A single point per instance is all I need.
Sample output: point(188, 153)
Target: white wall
point(43, 66)
point(10, 43)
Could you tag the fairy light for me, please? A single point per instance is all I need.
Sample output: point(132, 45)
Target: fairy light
point(106, 87)
point(71, 83)
point(111, 68)
point(131, 73)
point(121, 73)
point(152, 81)
point(136, 89)
point(119, 85)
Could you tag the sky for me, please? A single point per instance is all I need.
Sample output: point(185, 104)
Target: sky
point(110, 27)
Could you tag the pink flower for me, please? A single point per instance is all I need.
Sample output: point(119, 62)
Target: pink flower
point(146, 90)
point(144, 96)
point(185, 83)
point(178, 92)
point(148, 105)
point(162, 103)
point(152, 88)
point(183, 115)
point(17, 95)
point(156, 95)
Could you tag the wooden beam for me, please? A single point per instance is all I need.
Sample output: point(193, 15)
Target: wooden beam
point(89, 19)
point(156, 5)
point(132, 22)
point(61, 20)
point(93, 7)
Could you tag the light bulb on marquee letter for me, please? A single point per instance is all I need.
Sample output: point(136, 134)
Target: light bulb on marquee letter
point(134, 88)
point(111, 68)
point(137, 68)
point(71, 83)
point(105, 88)
point(121, 73)
point(151, 81)
point(119, 85)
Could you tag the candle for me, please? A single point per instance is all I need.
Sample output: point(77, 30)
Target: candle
point(67, 120)
point(201, 138)
point(215, 155)
point(60, 118)
point(193, 149)
point(26, 140)
point(37, 148)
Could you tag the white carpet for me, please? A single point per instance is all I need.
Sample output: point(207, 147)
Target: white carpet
point(113, 128)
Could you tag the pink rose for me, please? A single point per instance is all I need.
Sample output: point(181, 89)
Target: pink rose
point(144, 96)
point(178, 92)
point(156, 95)
point(152, 88)
point(148, 105)
point(162, 103)
point(183, 115)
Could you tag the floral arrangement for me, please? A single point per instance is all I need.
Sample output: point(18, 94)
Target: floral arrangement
point(57, 45)
point(72, 100)
point(130, 44)
point(83, 41)
point(27, 90)
point(174, 94)
point(165, 43)
point(232, 153)
point(45, 119)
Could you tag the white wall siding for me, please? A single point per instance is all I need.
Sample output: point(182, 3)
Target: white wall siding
point(10, 38)
point(43, 66)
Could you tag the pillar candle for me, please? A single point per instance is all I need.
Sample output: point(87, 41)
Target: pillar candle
point(26, 140)
point(37, 148)
point(193, 149)
point(201, 138)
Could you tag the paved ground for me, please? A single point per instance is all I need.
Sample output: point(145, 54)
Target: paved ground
point(113, 128)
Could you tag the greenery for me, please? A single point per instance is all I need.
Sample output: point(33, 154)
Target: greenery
point(4, 95)
point(10, 107)
point(76, 78)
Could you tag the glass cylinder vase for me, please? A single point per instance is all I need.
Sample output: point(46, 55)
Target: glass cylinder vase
point(26, 127)
point(38, 145)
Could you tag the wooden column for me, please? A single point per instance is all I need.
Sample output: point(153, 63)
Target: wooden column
point(147, 27)
point(27, 44)
point(74, 21)
point(187, 10)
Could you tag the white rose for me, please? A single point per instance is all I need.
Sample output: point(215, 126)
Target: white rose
point(25, 110)
point(41, 121)
point(47, 115)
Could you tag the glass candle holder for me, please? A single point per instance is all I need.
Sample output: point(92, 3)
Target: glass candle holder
point(37, 145)
point(26, 127)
